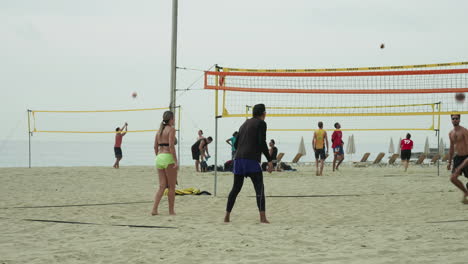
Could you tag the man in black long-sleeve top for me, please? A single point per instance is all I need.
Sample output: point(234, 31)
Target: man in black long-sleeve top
point(250, 145)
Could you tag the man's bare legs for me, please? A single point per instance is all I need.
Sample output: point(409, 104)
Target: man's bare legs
point(160, 192)
point(340, 160)
point(406, 164)
point(116, 164)
point(317, 167)
point(322, 163)
point(454, 179)
point(197, 165)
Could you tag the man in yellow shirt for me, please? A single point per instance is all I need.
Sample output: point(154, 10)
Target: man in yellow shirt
point(319, 143)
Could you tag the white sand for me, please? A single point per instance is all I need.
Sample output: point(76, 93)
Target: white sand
point(384, 219)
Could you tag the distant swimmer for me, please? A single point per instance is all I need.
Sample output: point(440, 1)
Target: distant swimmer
point(458, 146)
point(166, 162)
point(337, 145)
point(319, 142)
point(406, 145)
point(119, 133)
point(250, 145)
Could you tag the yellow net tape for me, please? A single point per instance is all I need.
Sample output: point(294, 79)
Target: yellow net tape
point(352, 114)
point(96, 111)
point(346, 107)
point(348, 69)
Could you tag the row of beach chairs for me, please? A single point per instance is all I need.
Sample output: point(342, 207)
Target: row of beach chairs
point(378, 159)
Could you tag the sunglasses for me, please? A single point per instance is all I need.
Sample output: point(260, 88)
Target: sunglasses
point(455, 118)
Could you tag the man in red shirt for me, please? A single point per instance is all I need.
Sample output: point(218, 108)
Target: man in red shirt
point(118, 143)
point(406, 146)
point(337, 145)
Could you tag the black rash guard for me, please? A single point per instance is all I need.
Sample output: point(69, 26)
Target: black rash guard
point(251, 141)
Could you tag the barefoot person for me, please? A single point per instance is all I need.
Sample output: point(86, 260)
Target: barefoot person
point(250, 145)
point(319, 142)
point(231, 141)
point(406, 145)
point(200, 151)
point(337, 145)
point(118, 143)
point(166, 161)
point(458, 145)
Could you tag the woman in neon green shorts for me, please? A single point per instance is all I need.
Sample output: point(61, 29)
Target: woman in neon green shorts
point(166, 161)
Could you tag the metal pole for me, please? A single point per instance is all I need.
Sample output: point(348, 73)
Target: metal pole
point(178, 135)
point(438, 149)
point(29, 136)
point(216, 157)
point(173, 55)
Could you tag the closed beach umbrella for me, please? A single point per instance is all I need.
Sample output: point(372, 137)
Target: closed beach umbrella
point(302, 148)
point(426, 146)
point(348, 145)
point(441, 147)
point(398, 150)
point(391, 148)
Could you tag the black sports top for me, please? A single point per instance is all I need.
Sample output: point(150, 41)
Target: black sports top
point(251, 141)
point(196, 145)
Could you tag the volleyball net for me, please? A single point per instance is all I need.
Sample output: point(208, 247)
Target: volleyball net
point(97, 121)
point(390, 94)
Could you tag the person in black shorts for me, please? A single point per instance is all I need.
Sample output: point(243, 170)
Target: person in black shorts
point(119, 134)
point(200, 150)
point(250, 145)
point(406, 145)
point(458, 144)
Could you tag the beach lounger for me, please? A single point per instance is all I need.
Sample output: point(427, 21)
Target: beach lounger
point(365, 157)
point(363, 162)
point(421, 160)
point(278, 161)
point(434, 159)
point(279, 157)
point(392, 159)
point(445, 158)
point(378, 159)
point(296, 158)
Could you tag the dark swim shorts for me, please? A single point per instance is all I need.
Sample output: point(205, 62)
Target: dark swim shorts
point(457, 161)
point(118, 152)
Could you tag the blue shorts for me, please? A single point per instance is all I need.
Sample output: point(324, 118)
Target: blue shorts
point(246, 166)
point(338, 150)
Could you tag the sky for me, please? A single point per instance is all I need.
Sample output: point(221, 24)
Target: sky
point(93, 54)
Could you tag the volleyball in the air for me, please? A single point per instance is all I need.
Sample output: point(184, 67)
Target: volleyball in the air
point(460, 97)
point(134, 95)
point(382, 46)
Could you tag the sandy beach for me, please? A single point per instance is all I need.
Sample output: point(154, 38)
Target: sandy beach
point(357, 215)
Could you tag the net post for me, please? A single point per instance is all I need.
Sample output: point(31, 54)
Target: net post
point(217, 68)
point(178, 132)
point(29, 136)
point(439, 104)
point(438, 149)
point(173, 55)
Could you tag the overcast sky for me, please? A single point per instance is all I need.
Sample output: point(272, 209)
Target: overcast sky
point(92, 54)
